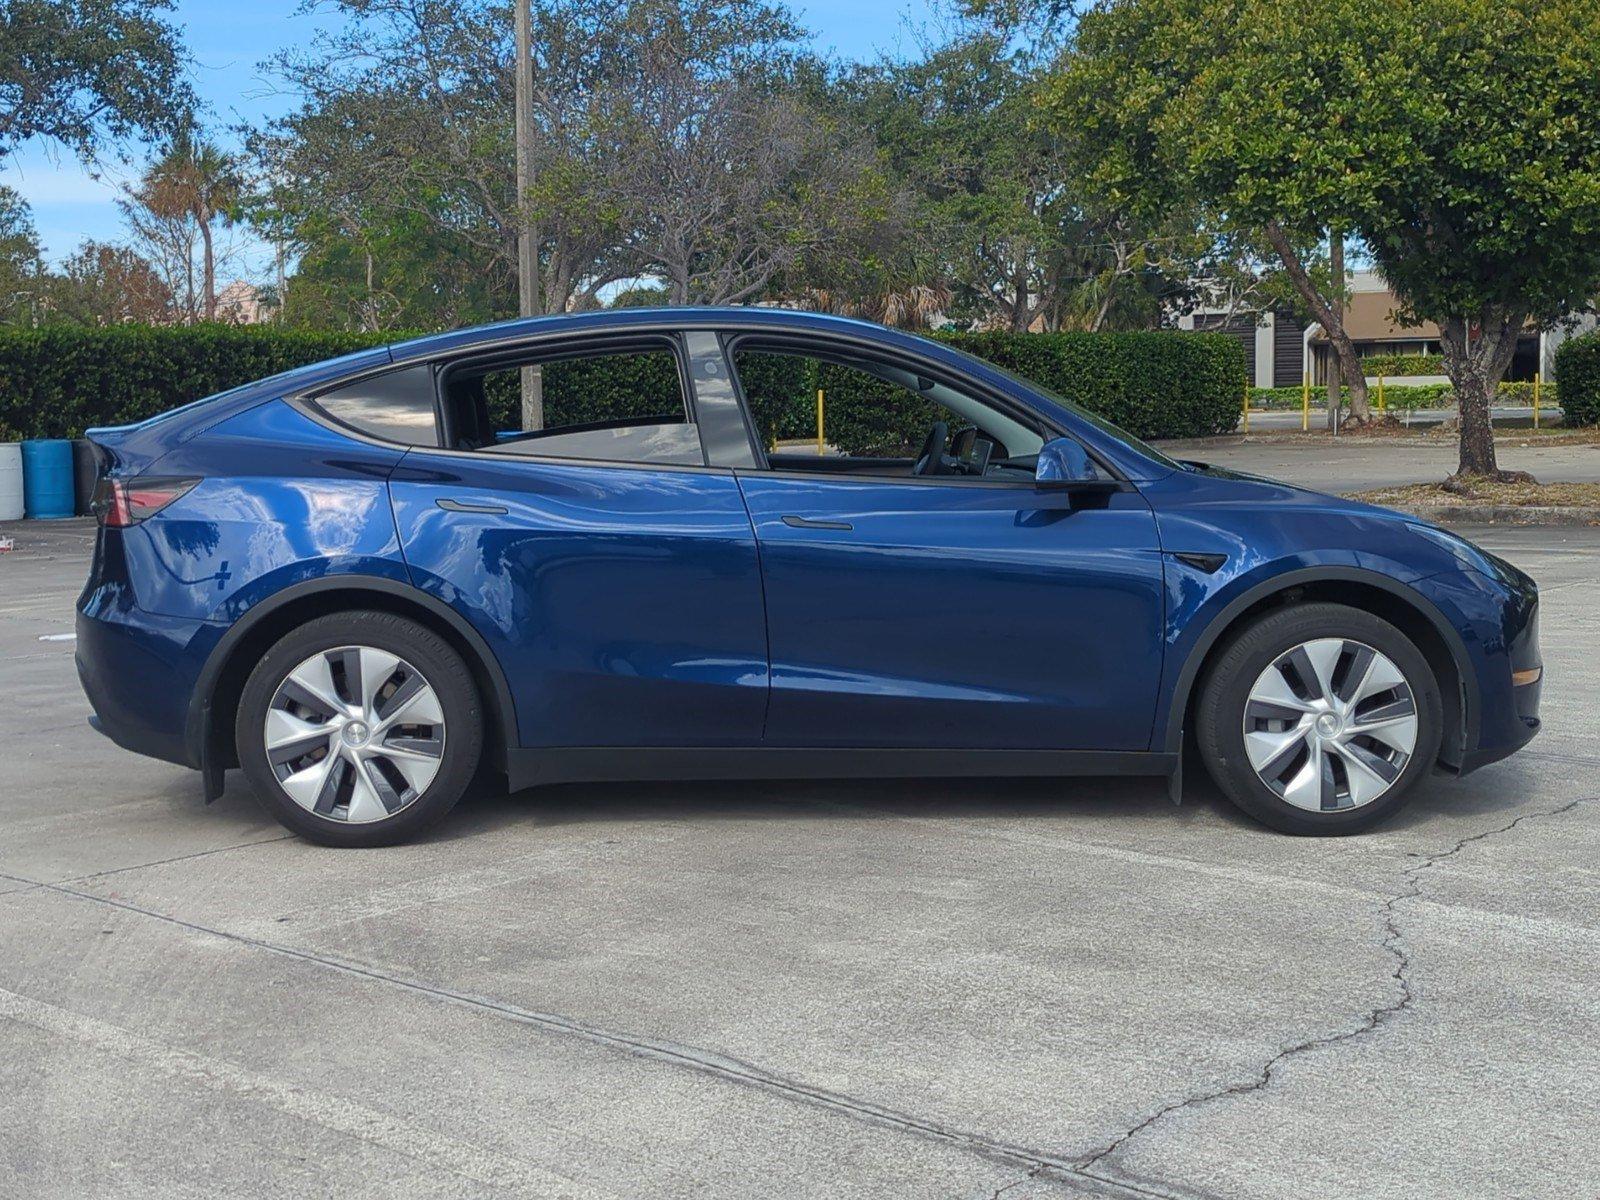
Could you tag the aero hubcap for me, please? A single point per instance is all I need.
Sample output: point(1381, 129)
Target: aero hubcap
point(355, 734)
point(1330, 725)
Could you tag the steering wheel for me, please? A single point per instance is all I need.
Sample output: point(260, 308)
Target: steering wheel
point(932, 461)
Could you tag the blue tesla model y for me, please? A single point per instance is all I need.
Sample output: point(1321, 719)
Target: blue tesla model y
point(370, 582)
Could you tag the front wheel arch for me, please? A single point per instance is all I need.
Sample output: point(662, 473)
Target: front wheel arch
point(1403, 607)
point(209, 733)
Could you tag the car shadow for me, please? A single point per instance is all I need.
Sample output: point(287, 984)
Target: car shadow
point(845, 800)
point(1500, 790)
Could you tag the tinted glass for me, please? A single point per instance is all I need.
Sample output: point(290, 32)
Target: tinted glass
point(397, 406)
point(1099, 422)
point(871, 411)
point(622, 407)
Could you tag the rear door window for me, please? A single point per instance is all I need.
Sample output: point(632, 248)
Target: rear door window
point(626, 405)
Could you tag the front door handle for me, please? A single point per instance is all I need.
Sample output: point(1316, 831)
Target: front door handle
point(808, 523)
point(459, 506)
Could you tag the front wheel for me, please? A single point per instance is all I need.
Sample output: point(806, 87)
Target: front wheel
point(359, 729)
point(1319, 719)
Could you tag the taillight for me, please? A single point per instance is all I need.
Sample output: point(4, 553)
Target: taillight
point(119, 503)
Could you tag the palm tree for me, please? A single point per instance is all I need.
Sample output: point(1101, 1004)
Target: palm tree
point(195, 179)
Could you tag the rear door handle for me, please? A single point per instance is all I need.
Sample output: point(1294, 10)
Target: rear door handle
point(808, 523)
point(459, 506)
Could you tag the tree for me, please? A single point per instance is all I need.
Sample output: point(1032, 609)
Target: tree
point(1491, 224)
point(1003, 219)
point(78, 71)
point(672, 139)
point(193, 185)
point(1459, 139)
point(724, 176)
point(109, 285)
point(21, 272)
point(407, 120)
point(1149, 87)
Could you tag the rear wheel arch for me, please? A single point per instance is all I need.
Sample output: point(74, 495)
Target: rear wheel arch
point(1401, 606)
point(210, 734)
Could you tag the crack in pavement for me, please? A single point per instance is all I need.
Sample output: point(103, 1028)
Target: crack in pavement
point(1040, 1165)
point(1015, 1183)
point(1393, 944)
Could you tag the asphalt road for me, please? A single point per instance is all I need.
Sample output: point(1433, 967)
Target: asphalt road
point(921, 989)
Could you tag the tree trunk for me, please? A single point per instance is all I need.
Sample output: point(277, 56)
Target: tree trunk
point(1476, 357)
point(1330, 315)
point(1019, 304)
point(283, 284)
point(1105, 306)
point(369, 319)
point(1340, 373)
point(208, 278)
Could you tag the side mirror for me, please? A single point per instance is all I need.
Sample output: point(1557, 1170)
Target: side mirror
point(1064, 461)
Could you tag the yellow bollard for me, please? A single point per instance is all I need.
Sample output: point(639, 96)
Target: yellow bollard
point(1538, 382)
point(1382, 407)
point(1305, 406)
point(820, 442)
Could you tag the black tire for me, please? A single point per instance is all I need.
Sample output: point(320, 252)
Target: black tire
point(442, 669)
point(1221, 701)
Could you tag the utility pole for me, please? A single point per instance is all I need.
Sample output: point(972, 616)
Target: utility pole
point(528, 299)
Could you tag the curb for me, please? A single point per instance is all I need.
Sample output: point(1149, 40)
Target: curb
point(1501, 514)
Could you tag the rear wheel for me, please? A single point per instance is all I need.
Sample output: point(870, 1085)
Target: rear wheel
point(1319, 719)
point(359, 729)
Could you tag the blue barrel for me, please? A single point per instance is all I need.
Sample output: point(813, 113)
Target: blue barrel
point(47, 477)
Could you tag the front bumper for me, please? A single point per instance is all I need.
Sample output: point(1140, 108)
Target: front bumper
point(1516, 716)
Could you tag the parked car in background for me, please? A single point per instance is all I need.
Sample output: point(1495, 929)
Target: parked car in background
point(366, 586)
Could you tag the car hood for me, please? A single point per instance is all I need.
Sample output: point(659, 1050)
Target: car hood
point(1279, 490)
point(1255, 521)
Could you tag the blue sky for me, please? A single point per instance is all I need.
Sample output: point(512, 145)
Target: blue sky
point(229, 38)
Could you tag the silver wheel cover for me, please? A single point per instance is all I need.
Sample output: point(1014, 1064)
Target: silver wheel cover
point(1330, 725)
point(355, 734)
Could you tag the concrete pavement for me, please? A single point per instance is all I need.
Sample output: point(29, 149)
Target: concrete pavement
point(919, 989)
point(1286, 420)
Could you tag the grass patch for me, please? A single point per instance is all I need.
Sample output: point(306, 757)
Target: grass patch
point(1517, 493)
point(1431, 434)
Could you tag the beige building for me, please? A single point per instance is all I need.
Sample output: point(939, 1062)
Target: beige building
point(1282, 351)
point(240, 303)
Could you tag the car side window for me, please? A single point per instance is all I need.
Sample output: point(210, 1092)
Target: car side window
point(397, 406)
point(851, 414)
point(625, 405)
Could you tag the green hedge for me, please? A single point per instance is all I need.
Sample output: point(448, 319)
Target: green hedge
point(55, 382)
point(1578, 371)
point(580, 390)
point(1396, 398)
point(1155, 385)
point(781, 390)
point(1400, 365)
point(1522, 393)
point(1401, 397)
point(59, 380)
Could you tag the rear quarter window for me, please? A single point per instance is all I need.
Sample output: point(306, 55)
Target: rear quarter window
point(397, 406)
